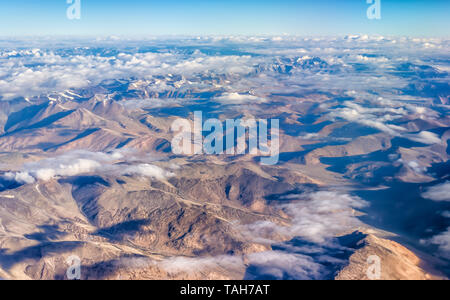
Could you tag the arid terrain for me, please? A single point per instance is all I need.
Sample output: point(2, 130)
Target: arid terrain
point(87, 166)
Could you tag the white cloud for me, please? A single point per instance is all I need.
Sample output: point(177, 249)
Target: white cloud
point(78, 166)
point(280, 264)
point(442, 240)
point(152, 103)
point(310, 136)
point(371, 117)
point(85, 162)
point(414, 165)
point(314, 217)
point(236, 98)
point(366, 58)
point(199, 264)
point(440, 192)
point(277, 264)
point(446, 214)
point(148, 170)
point(34, 71)
point(383, 115)
point(40, 72)
point(424, 137)
point(20, 177)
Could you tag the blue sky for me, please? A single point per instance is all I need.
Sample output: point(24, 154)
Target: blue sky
point(205, 17)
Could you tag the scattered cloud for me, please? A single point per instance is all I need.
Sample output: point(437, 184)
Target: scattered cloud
point(283, 265)
point(235, 98)
point(85, 162)
point(383, 117)
point(199, 264)
point(148, 170)
point(315, 217)
point(376, 117)
point(276, 264)
point(28, 71)
point(440, 192)
point(40, 71)
point(441, 240)
point(424, 137)
point(446, 214)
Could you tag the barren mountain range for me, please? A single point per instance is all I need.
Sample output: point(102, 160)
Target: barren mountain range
point(87, 167)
